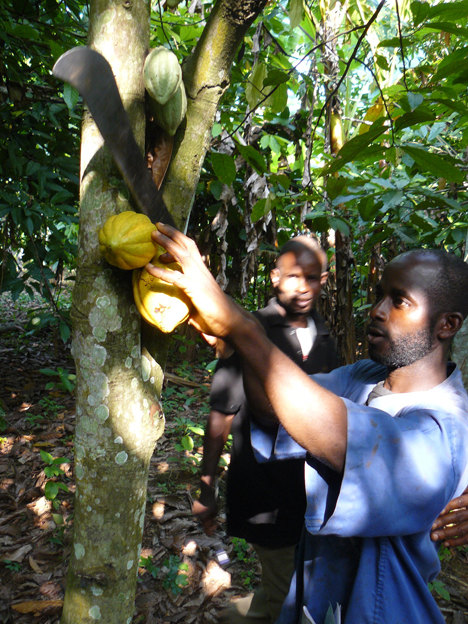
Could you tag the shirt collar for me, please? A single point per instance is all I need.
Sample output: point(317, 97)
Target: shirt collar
point(276, 318)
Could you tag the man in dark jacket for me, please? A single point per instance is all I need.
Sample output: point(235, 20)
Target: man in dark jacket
point(266, 502)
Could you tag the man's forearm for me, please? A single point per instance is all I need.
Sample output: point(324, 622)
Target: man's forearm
point(313, 416)
point(217, 431)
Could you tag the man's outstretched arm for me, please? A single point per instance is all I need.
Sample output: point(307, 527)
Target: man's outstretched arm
point(313, 416)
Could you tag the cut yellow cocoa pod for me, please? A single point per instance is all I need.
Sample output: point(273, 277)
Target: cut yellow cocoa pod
point(161, 304)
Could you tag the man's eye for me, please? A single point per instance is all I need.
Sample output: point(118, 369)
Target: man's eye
point(400, 302)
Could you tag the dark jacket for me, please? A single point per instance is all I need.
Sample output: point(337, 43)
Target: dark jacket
point(266, 502)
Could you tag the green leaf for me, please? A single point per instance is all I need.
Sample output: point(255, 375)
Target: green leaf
point(51, 489)
point(336, 223)
point(296, 12)
point(253, 157)
point(413, 118)
point(420, 12)
point(58, 519)
point(275, 77)
point(216, 130)
point(49, 372)
point(453, 63)
point(46, 457)
point(335, 186)
point(414, 99)
point(423, 222)
point(24, 31)
point(435, 164)
point(216, 188)
point(368, 208)
point(224, 167)
point(454, 105)
point(394, 42)
point(278, 99)
point(281, 179)
point(382, 62)
point(197, 430)
point(187, 443)
point(71, 96)
point(452, 11)
point(448, 27)
point(355, 147)
point(254, 87)
point(64, 331)
point(258, 210)
point(392, 199)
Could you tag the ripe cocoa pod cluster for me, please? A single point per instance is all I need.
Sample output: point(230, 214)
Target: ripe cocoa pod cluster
point(125, 242)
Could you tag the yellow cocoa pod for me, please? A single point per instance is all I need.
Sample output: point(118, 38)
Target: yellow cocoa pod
point(161, 304)
point(162, 74)
point(170, 115)
point(336, 133)
point(373, 113)
point(125, 240)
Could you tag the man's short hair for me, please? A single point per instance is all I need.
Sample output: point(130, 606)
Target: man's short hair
point(449, 290)
point(308, 242)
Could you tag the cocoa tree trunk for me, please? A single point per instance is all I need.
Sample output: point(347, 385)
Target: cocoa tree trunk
point(118, 416)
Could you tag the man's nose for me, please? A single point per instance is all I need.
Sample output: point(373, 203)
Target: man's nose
point(380, 309)
point(302, 284)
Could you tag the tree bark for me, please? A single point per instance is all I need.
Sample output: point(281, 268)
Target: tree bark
point(342, 321)
point(206, 78)
point(460, 351)
point(118, 415)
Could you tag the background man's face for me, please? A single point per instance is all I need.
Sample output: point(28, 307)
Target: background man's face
point(297, 280)
point(401, 329)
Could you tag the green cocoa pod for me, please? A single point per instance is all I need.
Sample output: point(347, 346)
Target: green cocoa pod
point(170, 115)
point(162, 74)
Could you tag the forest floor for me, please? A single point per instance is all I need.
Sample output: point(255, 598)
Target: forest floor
point(180, 578)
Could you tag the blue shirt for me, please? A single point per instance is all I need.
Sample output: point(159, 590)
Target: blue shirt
point(367, 546)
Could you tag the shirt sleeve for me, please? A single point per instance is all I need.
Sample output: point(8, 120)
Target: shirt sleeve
point(277, 444)
point(399, 472)
point(227, 389)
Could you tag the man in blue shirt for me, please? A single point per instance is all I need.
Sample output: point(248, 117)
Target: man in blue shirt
point(386, 440)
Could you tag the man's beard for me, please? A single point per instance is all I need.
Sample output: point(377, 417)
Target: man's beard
point(405, 350)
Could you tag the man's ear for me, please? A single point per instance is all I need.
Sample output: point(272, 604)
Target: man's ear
point(448, 325)
point(323, 278)
point(274, 277)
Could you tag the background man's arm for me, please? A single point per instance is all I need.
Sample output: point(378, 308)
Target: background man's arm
point(217, 430)
point(451, 526)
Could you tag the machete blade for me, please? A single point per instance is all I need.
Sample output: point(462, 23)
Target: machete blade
point(91, 75)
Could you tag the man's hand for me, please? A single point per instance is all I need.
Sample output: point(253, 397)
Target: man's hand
point(214, 314)
point(205, 509)
point(451, 526)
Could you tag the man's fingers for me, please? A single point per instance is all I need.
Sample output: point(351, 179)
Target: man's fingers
point(451, 528)
point(167, 275)
point(173, 240)
point(452, 517)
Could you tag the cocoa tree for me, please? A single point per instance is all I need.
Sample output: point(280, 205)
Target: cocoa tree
point(119, 417)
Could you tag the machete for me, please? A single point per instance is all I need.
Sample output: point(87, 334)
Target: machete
point(91, 75)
